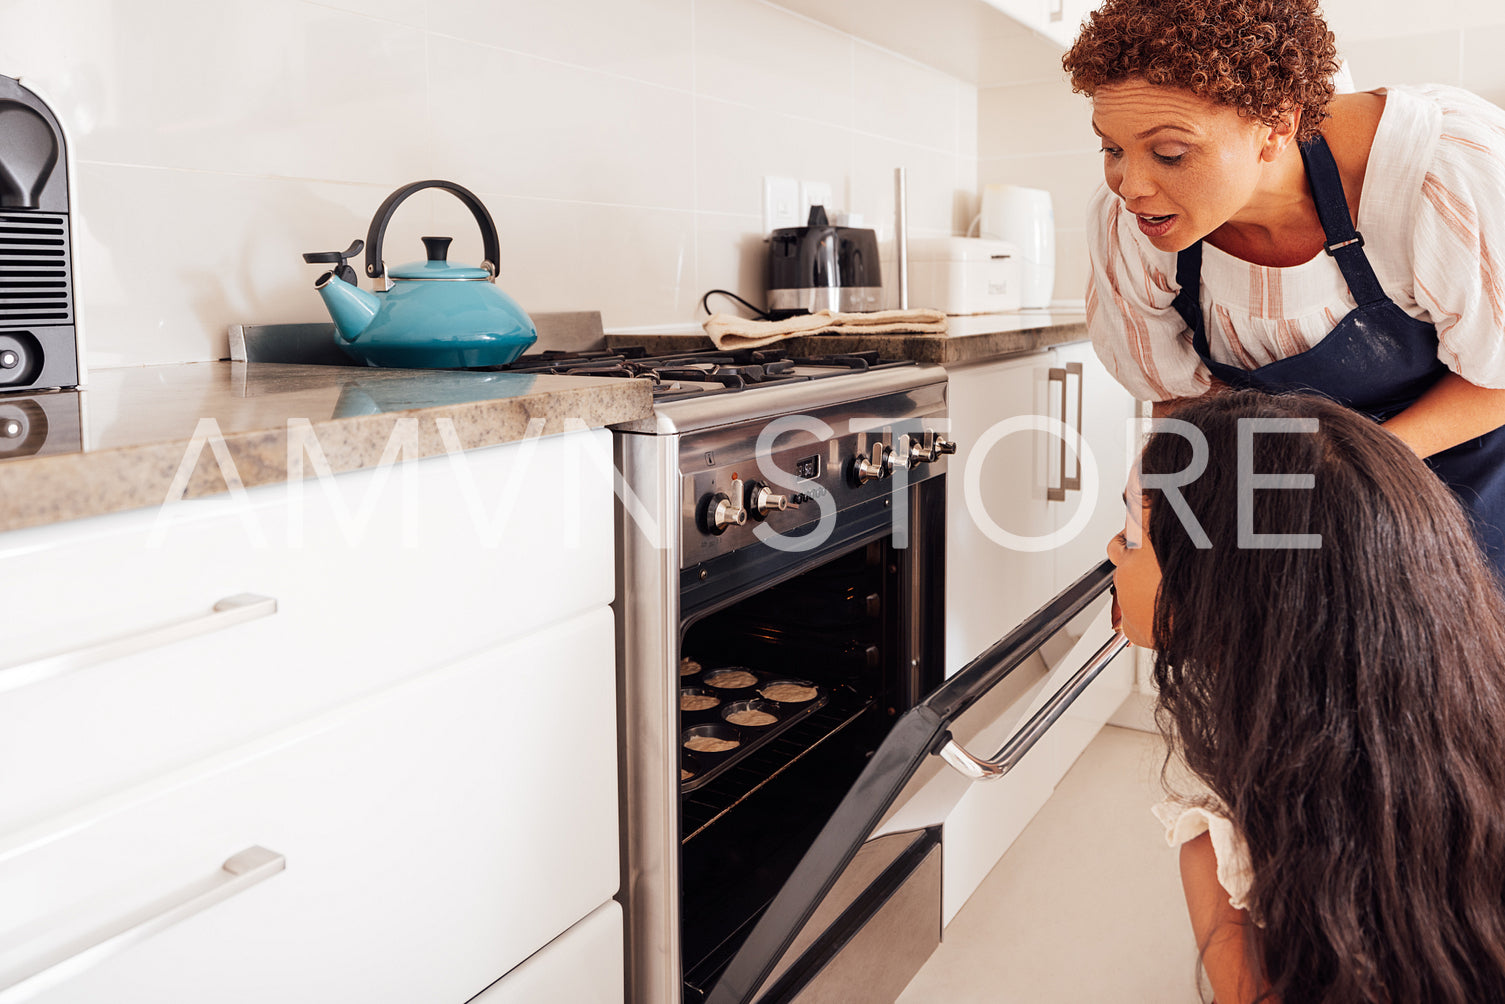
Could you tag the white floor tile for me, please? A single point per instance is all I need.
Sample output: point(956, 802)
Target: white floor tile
point(1085, 907)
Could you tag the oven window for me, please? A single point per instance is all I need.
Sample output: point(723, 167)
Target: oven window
point(796, 685)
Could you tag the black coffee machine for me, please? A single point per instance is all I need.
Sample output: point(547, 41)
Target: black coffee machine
point(38, 333)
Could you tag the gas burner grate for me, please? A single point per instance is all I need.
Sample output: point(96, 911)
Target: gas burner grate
point(697, 372)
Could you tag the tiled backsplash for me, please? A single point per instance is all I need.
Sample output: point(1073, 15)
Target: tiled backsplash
point(619, 144)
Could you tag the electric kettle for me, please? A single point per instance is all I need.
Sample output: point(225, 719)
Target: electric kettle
point(428, 314)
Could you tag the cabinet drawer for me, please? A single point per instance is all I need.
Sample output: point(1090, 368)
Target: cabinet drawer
point(376, 576)
point(435, 835)
point(581, 966)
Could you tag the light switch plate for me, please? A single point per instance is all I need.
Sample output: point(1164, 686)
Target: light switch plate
point(781, 203)
point(815, 193)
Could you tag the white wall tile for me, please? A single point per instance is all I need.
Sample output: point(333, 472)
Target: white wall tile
point(1017, 57)
point(1043, 117)
point(406, 12)
point(1484, 62)
point(760, 55)
point(620, 147)
point(645, 39)
point(1423, 58)
point(1072, 266)
point(901, 100)
point(1352, 20)
point(548, 130)
point(244, 89)
point(966, 119)
point(736, 146)
point(1473, 13)
point(731, 254)
point(635, 265)
point(180, 255)
point(931, 186)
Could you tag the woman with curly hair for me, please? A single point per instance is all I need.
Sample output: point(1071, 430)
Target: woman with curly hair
point(1258, 230)
point(1350, 846)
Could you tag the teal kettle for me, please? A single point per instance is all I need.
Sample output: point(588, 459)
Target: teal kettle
point(425, 314)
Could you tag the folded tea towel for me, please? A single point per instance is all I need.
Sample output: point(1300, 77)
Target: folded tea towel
point(731, 332)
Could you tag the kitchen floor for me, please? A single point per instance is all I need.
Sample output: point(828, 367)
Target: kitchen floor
point(1086, 905)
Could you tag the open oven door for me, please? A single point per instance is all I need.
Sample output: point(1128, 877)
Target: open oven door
point(836, 930)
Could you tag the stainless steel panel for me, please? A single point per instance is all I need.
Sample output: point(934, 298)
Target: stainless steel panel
point(877, 964)
point(874, 858)
point(838, 299)
point(647, 615)
point(926, 384)
point(823, 442)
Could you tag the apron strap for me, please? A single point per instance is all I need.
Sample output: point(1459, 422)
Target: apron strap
point(1343, 241)
point(1188, 301)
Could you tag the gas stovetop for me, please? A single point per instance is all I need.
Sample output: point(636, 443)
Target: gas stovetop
point(701, 372)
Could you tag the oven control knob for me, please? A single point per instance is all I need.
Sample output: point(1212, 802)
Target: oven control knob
point(761, 500)
point(719, 510)
point(865, 470)
point(934, 449)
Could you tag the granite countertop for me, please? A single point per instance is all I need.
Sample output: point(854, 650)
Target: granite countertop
point(120, 442)
point(971, 339)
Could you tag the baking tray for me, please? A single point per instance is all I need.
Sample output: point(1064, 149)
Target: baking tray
point(709, 766)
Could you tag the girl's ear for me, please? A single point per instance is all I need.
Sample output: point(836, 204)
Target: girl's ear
point(1281, 134)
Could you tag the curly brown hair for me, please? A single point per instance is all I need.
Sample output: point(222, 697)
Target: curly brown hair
point(1261, 57)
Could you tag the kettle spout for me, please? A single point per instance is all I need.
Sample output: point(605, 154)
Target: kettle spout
point(351, 307)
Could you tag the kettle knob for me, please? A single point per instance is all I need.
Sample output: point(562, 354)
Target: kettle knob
point(437, 247)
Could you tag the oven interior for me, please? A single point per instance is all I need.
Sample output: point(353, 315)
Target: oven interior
point(747, 816)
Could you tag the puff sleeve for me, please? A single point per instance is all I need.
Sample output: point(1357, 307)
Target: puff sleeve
point(1135, 331)
point(1184, 822)
point(1458, 241)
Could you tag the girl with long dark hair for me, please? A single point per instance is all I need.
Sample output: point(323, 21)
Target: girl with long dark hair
point(1330, 658)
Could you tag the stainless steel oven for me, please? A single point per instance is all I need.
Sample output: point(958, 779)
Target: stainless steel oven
point(795, 535)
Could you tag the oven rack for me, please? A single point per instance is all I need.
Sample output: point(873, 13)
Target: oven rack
point(704, 806)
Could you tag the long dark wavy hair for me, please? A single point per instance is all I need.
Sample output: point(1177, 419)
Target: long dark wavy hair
point(1345, 704)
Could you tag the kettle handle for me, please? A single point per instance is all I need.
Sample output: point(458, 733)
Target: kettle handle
point(376, 268)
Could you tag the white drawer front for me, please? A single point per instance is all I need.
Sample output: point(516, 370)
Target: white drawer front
point(582, 966)
point(420, 586)
point(435, 835)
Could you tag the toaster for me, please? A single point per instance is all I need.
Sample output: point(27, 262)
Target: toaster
point(823, 267)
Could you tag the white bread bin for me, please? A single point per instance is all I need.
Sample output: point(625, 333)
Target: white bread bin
point(964, 275)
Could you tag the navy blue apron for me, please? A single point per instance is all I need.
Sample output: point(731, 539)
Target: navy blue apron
point(1378, 360)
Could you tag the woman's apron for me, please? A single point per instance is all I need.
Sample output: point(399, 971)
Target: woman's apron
point(1378, 360)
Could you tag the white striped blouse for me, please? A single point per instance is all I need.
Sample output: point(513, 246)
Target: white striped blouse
point(1432, 214)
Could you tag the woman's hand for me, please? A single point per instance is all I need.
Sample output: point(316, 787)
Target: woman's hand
point(1452, 411)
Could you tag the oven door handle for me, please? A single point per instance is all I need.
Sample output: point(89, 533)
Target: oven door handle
point(1021, 742)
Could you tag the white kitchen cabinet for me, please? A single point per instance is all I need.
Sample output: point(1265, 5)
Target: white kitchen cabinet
point(441, 568)
point(582, 966)
point(1021, 486)
point(998, 520)
point(422, 728)
point(1063, 19)
point(1058, 20)
point(1019, 525)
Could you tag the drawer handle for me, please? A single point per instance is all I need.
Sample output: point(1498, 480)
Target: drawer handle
point(243, 870)
point(1033, 730)
point(227, 612)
